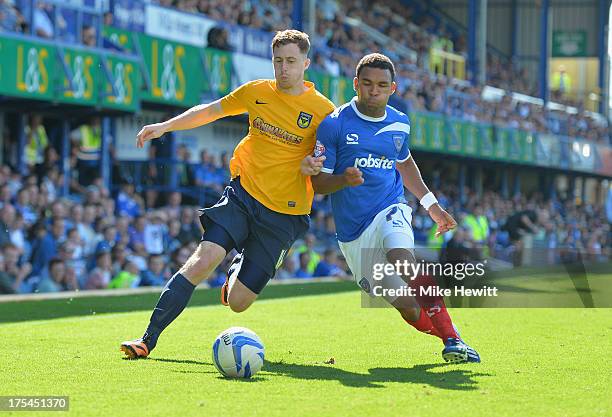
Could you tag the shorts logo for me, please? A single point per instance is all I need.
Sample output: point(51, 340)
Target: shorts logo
point(365, 285)
point(304, 120)
point(319, 149)
point(398, 140)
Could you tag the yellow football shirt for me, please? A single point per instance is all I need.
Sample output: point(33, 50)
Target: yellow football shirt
point(282, 131)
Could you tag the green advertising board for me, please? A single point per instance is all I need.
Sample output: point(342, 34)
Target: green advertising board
point(27, 69)
point(121, 38)
point(80, 84)
point(486, 147)
point(435, 132)
point(182, 75)
point(175, 72)
point(454, 136)
point(122, 92)
point(42, 71)
point(338, 89)
point(418, 134)
point(217, 72)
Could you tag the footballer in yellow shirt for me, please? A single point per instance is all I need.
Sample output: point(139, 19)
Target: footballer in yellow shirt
point(265, 207)
point(282, 131)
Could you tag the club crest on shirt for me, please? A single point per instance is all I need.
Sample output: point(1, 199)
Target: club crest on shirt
point(319, 149)
point(398, 140)
point(304, 120)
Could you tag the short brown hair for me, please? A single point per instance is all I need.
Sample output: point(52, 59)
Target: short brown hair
point(376, 61)
point(286, 37)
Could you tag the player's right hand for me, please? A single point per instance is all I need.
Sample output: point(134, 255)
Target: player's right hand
point(311, 165)
point(353, 176)
point(149, 132)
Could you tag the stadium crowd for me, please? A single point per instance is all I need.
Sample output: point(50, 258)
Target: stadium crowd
point(95, 239)
point(345, 31)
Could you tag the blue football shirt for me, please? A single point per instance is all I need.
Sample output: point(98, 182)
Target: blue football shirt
point(348, 138)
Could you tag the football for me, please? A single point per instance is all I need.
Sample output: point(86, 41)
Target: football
point(238, 353)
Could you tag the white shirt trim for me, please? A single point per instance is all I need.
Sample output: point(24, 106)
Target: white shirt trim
point(363, 116)
point(395, 127)
point(327, 170)
point(405, 159)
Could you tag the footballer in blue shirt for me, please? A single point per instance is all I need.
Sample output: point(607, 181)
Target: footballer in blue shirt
point(362, 159)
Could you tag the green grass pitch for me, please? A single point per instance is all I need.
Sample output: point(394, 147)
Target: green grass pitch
point(536, 362)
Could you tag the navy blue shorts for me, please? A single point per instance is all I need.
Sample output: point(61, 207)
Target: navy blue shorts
point(263, 236)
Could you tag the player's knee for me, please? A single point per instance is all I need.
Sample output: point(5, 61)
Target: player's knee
point(203, 261)
point(410, 313)
point(238, 306)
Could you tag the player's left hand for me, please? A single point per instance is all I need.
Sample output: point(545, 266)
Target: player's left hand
point(444, 220)
point(312, 165)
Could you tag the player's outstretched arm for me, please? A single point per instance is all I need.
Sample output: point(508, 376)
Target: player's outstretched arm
point(324, 183)
point(194, 117)
point(411, 177)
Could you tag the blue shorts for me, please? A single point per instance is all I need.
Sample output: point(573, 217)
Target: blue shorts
point(263, 235)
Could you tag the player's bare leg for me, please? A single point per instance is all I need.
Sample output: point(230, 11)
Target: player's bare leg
point(240, 297)
point(175, 296)
point(203, 262)
point(236, 293)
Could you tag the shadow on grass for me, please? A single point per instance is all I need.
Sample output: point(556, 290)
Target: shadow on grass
point(185, 361)
point(452, 378)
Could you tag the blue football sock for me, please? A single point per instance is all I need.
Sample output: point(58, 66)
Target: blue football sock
point(172, 302)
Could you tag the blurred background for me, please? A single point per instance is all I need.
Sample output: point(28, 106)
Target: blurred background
point(508, 99)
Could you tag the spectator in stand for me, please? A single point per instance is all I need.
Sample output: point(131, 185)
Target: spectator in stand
point(16, 272)
point(127, 277)
point(17, 233)
point(172, 241)
point(173, 209)
point(184, 171)
point(36, 141)
point(11, 19)
point(89, 37)
point(50, 161)
point(60, 278)
point(100, 276)
point(42, 25)
point(137, 231)
point(328, 266)
point(139, 256)
point(179, 257)
point(6, 281)
point(155, 232)
point(218, 38)
point(7, 218)
point(68, 254)
point(305, 261)
point(288, 269)
point(155, 274)
point(128, 203)
point(108, 239)
point(46, 245)
point(308, 247)
point(87, 139)
point(191, 229)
